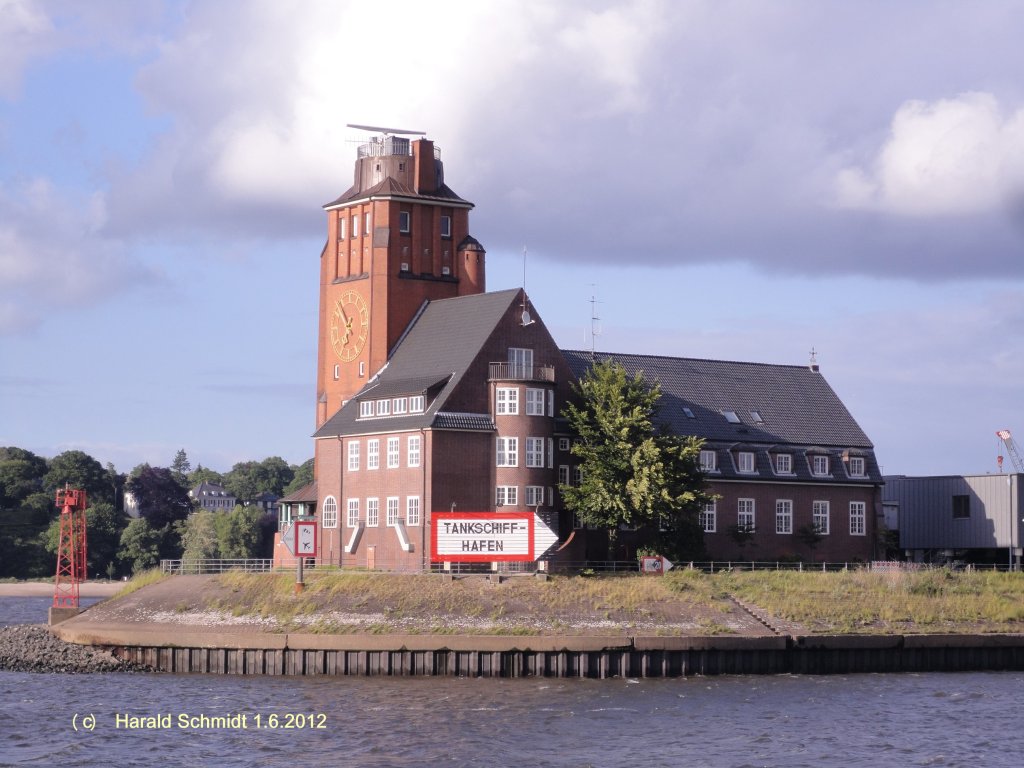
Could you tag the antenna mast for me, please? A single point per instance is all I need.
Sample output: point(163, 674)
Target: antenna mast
point(595, 322)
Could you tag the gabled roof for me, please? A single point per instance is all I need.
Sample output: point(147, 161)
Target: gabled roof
point(796, 404)
point(442, 343)
point(391, 187)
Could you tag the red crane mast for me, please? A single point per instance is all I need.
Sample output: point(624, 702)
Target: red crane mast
point(71, 568)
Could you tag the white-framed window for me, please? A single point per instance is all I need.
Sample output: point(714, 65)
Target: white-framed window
point(413, 451)
point(404, 222)
point(534, 495)
point(856, 466)
point(784, 463)
point(551, 453)
point(446, 226)
point(367, 224)
point(506, 400)
point(353, 513)
point(520, 362)
point(551, 403)
point(745, 514)
point(535, 451)
point(355, 225)
point(858, 518)
point(535, 401)
point(373, 454)
point(745, 461)
point(393, 448)
point(372, 513)
point(392, 513)
point(819, 512)
point(508, 451)
point(337, 372)
point(563, 443)
point(416, 404)
point(412, 510)
point(708, 461)
point(383, 407)
point(783, 516)
point(400, 405)
point(506, 495)
point(709, 517)
point(353, 455)
point(563, 474)
point(819, 464)
point(329, 513)
point(341, 226)
point(365, 409)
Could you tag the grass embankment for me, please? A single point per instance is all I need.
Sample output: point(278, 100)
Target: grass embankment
point(886, 603)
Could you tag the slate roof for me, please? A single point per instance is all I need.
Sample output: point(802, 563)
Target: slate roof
point(438, 348)
point(800, 413)
point(306, 493)
point(391, 187)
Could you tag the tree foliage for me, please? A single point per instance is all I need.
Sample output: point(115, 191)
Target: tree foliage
point(180, 468)
point(103, 526)
point(21, 475)
point(79, 470)
point(160, 500)
point(140, 545)
point(633, 474)
point(203, 474)
point(303, 477)
point(248, 480)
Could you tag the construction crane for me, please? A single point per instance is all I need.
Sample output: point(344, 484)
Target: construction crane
point(1011, 448)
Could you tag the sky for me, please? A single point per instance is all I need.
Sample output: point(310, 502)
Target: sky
point(716, 179)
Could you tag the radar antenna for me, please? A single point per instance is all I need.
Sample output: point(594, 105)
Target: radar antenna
point(385, 131)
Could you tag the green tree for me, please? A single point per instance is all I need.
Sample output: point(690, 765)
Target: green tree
point(21, 475)
point(159, 497)
point(303, 476)
point(103, 528)
point(79, 470)
point(248, 480)
point(140, 545)
point(239, 533)
point(180, 469)
point(23, 538)
point(199, 536)
point(633, 474)
point(202, 474)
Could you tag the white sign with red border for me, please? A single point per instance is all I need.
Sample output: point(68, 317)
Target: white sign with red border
point(305, 538)
point(485, 537)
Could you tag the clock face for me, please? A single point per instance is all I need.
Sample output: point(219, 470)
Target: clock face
point(350, 323)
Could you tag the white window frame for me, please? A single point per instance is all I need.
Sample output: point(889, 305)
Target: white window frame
point(746, 513)
point(446, 225)
point(858, 518)
point(506, 495)
point(709, 460)
point(416, 404)
point(405, 222)
point(355, 226)
point(709, 517)
point(383, 407)
point(819, 465)
point(507, 451)
point(400, 406)
point(506, 401)
point(535, 452)
point(353, 455)
point(784, 463)
point(373, 454)
point(520, 362)
point(391, 516)
point(367, 223)
point(413, 449)
point(745, 461)
point(535, 401)
point(394, 453)
point(563, 474)
point(820, 517)
point(341, 226)
point(352, 519)
point(366, 409)
point(329, 513)
point(534, 495)
point(784, 516)
point(372, 512)
point(563, 444)
point(412, 510)
point(857, 466)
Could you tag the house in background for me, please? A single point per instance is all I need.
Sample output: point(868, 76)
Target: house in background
point(212, 496)
point(973, 518)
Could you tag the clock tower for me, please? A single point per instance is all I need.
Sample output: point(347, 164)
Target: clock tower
point(397, 238)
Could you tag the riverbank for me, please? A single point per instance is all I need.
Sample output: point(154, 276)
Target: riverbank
point(45, 588)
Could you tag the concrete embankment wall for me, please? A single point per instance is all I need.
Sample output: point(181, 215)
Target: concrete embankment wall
point(592, 657)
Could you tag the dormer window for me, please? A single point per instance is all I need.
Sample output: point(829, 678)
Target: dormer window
point(383, 407)
point(819, 465)
point(745, 461)
point(708, 461)
point(416, 404)
point(365, 409)
point(783, 464)
point(856, 466)
point(401, 405)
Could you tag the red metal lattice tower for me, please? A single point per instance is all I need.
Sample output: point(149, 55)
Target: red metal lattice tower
point(71, 551)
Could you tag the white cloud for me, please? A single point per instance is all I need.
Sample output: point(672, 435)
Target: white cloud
point(25, 34)
point(963, 155)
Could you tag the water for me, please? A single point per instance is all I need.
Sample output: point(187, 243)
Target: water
point(31, 610)
point(854, 720)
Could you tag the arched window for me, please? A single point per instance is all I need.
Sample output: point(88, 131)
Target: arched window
point(329, 515)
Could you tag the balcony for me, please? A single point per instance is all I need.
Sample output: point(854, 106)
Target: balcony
point(519, 372)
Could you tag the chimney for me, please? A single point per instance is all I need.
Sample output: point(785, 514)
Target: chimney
point(426, 167)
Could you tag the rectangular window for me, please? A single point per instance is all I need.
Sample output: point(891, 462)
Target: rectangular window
point(708, 461)
point(746, 461)
point(446, 226)
point(401, 405)
point(373, 454)
point(783, 516)
point(383, 407)
point(353, 513)
point(506, 400)
point(341, 226)
point(392, 513)
point(784, 464)
point(393, 453)
point(551, 403)
point(731, 417)
point(709, 517)
point(372, 513)
point(819, 465)
point(534, 402)
point(551, 453)
point(353, 455)
point(412, 510)
point(534, 495)
point(745, 514)
point(365, 409)
point(506, 495)
point(404, 222)
point(563, 474)
point(355, 225)
point(563, 443)
point(520, 362)
point(508, 451)
point(577, 474)
point(413, 457)
point(858, 518)
point(820, 517)
point(416, 404)
point(366, 219)
point(961, 507)
point(856, 466)
point(535, 451)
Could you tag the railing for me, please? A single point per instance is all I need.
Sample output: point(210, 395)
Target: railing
point(518, 372)
point(208, 566)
